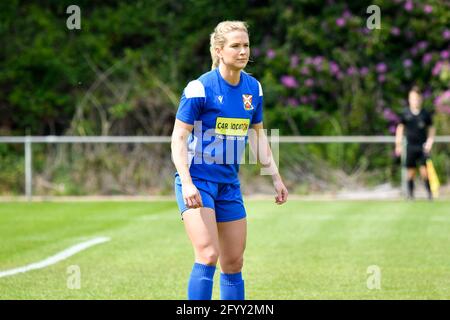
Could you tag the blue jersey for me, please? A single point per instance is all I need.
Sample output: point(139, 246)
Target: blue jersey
point(221, 114)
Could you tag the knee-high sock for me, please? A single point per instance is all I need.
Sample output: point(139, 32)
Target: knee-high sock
point(232, 286)
point(427, 186)
point(411, 188)
point(201, 282)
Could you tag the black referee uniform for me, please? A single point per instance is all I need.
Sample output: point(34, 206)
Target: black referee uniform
point(416, 131)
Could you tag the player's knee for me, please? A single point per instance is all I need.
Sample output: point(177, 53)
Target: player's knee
point(411, 174)
point(233, 265)
point(208, 255)
point(424, 173)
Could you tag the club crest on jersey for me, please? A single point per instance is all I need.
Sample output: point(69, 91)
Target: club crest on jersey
point(220, 98)
point(247, 99)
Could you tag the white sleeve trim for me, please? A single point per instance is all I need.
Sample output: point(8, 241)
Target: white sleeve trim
point(194, 89)
point(260, 89)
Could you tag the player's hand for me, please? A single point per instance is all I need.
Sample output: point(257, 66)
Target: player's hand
point(427, 148)
point(398, 151)
point(191, 196)
point(281, 190)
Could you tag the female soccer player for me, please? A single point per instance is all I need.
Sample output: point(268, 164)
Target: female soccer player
point(216, 112)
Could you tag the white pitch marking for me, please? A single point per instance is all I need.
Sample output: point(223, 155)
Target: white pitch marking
point(56, 258)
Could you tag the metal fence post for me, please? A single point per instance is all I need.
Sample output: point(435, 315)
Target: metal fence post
point(28, 169)
point(404, 171)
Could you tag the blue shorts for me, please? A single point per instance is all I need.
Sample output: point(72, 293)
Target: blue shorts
point(224, 198)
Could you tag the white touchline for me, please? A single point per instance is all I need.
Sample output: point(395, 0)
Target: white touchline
point(56, 258)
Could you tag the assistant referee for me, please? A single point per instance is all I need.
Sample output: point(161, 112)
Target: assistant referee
point(417, 125)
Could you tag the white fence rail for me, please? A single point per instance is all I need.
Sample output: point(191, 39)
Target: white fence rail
point(166, 139)
point(29, 140)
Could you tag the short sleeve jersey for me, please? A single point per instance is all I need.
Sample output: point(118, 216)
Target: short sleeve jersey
point(222, 115)
point(416, 126)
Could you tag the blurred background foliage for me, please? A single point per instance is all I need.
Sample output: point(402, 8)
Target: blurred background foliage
point(323, 72)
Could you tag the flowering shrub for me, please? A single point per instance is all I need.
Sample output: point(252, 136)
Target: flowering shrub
point(325, 63)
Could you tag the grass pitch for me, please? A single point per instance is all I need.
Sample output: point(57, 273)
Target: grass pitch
point(300, 250)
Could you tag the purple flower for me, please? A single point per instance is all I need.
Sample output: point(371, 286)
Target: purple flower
point(334, 67)
point(352, 70)
point(445, 54)
point(317, 60)
point(408, 5)
point(364, 31)
point(364, 71)
point(389, 115)
point(407, 63)
point(292, 102)
point(437, 68)
point(256, 52)
point(304, 71)
point(304, 100)
point(308, 60)
point(289, 82)
point(442, 102)
point(294, 61)
point(270, 53)
point(427, 9)
point(422, 45)
point(413, 51)
point(446, 34)
point(313, 97)
point(381, 78)
point(346, 14)
point(444, 109)
point(395, 31)
point(392, 128)
point(309, 82)
point(427, 58)
point(340, 22)
point(381, 67)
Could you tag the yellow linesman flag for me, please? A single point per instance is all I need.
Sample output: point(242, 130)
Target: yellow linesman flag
point(433, 179)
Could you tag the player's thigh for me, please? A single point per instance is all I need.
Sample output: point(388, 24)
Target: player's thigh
point(232, 240)
point(411, 172)
point(201, 228)
point(423, 171)
point(422, 162)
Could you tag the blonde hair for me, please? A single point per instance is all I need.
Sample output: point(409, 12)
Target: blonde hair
point(218, 39)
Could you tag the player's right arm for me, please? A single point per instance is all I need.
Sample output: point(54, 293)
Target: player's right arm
point(398, 139)
point(180, 134)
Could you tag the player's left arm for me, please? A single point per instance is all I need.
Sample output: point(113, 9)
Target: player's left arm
point(430, 139)
point(260, 147)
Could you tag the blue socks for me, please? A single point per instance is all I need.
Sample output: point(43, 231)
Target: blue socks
point(232, 286)
point(201, 282)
